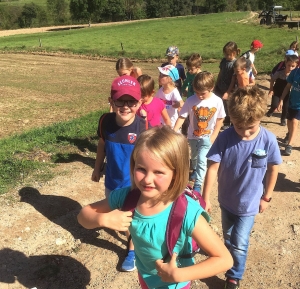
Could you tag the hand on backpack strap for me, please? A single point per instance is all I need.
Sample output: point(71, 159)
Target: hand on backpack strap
point(168, 272)
point(118, 220)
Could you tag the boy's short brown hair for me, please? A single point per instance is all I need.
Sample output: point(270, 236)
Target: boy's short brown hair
point(195, 60)
point(204, 81)
point(292, 58)
point(147, 84)
point(247, 105)
point(240, 63)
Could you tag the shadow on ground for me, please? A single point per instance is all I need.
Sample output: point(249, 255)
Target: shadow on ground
point(63, 211)
point(42, 272)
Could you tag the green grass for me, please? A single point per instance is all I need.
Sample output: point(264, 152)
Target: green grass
point(205, 34)
point(42, 3)
point(62, 140)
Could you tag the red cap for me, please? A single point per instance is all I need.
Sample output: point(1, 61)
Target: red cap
point(256, 44)
point(125, 85)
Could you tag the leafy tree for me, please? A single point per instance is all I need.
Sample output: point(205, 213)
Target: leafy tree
point(9, 16)
point(231, 5)
point(159, 8)
point(133, 8)
point(58, 9)
point(114, 11)
point(29, 12)
point(182, 7)
point(86, 10)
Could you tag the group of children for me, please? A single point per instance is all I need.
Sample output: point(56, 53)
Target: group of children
point(152, 140)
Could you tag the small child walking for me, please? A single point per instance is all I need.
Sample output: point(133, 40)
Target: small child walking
point(255, 46)
point(206, 113)
point(193, 65)
point(230, 52)
point(152, 108)
point(168, 92)
point(117, 133)
point(245, 158)
point(293, 115)
point(125, 67)
point(159, 170)
point(172, 54)
point(277, 85)
point(241, 78)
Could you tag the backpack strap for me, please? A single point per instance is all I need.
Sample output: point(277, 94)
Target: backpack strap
point(174, 224)
point(100, 125)
point(129, 204)
point(131, 200)
point(280, 65)
point(195, 196)
point(246, 54)
point(175, 221)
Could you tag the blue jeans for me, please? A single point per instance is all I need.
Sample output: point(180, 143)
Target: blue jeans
point(199, 150)
point(236, 233)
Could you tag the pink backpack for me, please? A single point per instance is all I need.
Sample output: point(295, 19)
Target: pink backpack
point(176, 217)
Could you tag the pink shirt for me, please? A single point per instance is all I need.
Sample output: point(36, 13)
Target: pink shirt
point(153, 110)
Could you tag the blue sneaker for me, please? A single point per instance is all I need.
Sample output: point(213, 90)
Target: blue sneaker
point(197, 189)
point(129, 263)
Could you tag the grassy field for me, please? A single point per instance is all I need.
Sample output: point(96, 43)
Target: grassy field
point(205, 34)
point(72, 86)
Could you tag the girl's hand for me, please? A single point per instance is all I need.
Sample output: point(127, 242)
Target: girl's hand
point(118, 220)
point(208, 206)
point(168, 272)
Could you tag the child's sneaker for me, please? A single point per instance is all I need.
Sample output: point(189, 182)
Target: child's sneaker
point(269, 114)
point(231, 283)
point(283, 122)
point(286, 139)
point(129, 263)
point(288, 150)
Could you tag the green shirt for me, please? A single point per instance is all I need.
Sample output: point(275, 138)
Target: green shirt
point(188, 83)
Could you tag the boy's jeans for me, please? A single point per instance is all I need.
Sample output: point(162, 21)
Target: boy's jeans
point(236, 233)
point(199, 150)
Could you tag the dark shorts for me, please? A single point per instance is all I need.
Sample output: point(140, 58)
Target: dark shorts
point(293, 114)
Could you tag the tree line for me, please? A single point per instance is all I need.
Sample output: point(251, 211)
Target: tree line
point(64, 12)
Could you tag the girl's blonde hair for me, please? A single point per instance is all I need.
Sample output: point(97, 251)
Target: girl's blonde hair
point(124, 63)
point(247, 105)
point(170, 148)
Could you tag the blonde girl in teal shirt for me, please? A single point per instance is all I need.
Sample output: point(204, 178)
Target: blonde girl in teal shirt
point(159, 169)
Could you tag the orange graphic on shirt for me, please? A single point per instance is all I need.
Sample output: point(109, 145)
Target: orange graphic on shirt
point(203, 116)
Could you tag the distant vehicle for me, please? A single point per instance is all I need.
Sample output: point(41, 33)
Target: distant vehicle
point(272, 16)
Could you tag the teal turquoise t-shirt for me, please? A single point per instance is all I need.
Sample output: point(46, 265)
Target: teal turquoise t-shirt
point(148, 236)
point(188, 83)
